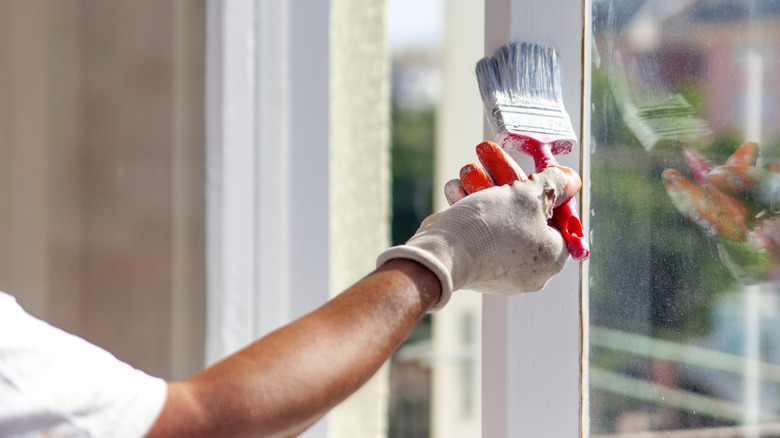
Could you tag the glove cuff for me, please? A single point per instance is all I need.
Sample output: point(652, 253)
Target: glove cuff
point(426, 259)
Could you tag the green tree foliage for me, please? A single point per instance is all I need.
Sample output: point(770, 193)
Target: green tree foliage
point(412, 169)
point(412, 166)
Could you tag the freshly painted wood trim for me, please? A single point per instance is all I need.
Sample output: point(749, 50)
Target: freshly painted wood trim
point(532, 343)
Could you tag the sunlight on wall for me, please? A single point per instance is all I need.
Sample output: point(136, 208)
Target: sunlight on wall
point(359, 179)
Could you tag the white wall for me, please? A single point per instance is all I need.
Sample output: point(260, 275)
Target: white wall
point(359, 180)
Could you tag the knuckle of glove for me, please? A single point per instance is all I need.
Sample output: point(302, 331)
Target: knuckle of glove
point(532, 198)
point(528, 251)
point(528, 258)
point(551, 177)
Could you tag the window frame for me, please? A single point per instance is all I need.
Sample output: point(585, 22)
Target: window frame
point(271, 148)
point(259, 224)
point(534, 365)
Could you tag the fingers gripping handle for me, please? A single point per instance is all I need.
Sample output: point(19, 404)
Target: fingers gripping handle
point(564, 216)
point(566, 221)
point(504, 170)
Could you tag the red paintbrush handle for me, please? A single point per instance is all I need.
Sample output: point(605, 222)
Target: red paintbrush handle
point(565, 216)
point(543, 157)
point(540, 151)
point(566, 221)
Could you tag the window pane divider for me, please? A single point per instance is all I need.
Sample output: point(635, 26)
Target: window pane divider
point(532, 360)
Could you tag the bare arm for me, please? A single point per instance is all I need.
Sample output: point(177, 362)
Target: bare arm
point(496, 240)
point(284, 382)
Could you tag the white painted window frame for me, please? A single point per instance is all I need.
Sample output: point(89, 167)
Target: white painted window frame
point(533, 360)
point(266, 169)
point(230, 189)
point(266, 117)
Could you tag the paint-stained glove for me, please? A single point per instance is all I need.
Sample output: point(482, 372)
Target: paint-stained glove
point(495, 240)
point(736, 204)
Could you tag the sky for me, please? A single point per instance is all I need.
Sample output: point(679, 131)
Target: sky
point(413, 23)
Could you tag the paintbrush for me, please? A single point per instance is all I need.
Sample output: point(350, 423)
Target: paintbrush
point(521, 91)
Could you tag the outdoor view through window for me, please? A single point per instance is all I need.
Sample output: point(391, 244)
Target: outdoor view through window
point(684, 306)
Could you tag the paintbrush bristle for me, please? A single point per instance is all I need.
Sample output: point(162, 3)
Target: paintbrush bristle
point(521, 91)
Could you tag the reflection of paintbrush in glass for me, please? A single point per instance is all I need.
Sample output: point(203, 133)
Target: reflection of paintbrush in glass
point(657, 117)
point(521, 91)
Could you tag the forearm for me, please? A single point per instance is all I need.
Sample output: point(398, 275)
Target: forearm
point(287, 380)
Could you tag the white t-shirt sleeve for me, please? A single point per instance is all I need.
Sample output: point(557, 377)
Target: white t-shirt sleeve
point(53, 383)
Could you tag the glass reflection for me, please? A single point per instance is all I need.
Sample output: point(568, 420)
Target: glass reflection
point(684, 304)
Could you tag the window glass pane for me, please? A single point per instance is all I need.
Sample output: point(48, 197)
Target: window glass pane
point(101, 173)
point(684, 305)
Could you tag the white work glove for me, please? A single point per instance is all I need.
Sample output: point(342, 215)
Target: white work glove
point(496, 240)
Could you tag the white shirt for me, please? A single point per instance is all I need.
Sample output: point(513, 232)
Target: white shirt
point(56, 384)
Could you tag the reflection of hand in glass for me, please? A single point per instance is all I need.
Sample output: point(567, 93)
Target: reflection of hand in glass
point(734, 204)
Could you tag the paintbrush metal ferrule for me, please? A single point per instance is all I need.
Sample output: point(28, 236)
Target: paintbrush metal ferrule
point(544, 124)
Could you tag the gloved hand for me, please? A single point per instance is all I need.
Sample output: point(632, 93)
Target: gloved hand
point(736, 204)
point(494, 240)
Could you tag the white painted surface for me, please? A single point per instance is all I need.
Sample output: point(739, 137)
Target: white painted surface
point(532, 343)
point(456, 385)
point(308, 152)
point(273, 166)
point(267, 163)
point(230, 195)
point(292, 162)
point(267, 169)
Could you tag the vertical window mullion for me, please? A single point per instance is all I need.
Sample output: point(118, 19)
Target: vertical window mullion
point(532, 343)
point(230, 173)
